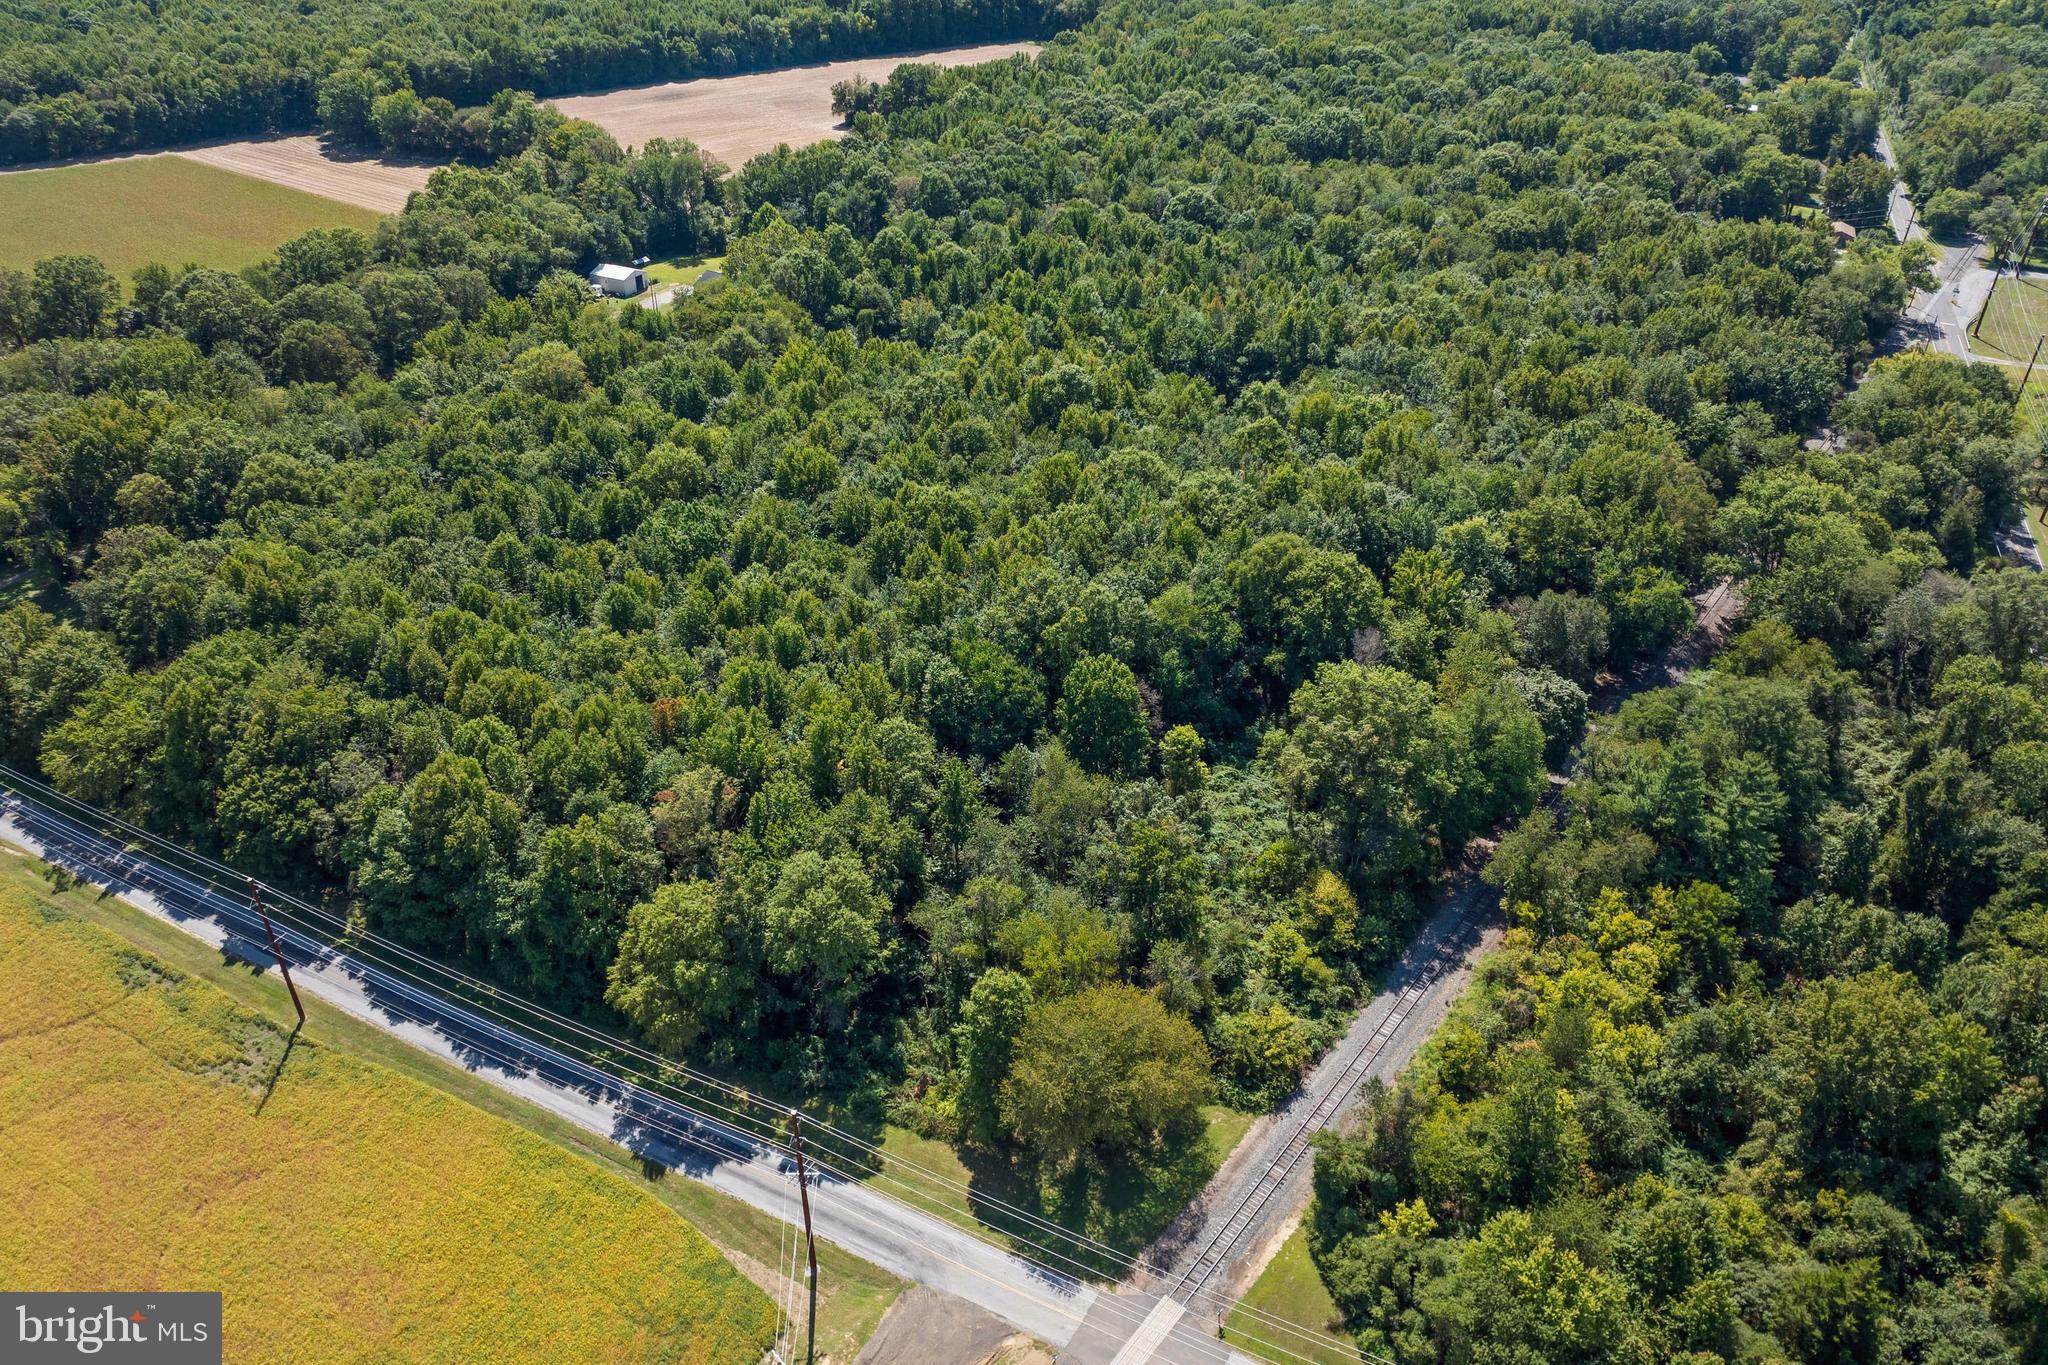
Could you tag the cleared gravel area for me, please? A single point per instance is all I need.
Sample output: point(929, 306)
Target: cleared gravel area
point(736, 118)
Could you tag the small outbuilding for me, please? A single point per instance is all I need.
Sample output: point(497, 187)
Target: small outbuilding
point(1844, 233)
point(621, 281)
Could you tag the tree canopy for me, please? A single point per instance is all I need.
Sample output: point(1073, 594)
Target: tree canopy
point(1018, 654)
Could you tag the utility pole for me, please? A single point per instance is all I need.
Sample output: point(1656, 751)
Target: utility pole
point(256, 899)
point(2021, 392)
point(796, 1141)
point(2019, 266)
point(1997, 271)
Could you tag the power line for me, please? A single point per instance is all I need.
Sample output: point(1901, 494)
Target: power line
point(512, 1065)
point(357, 935)
point(361, 936)
point(745, 1121)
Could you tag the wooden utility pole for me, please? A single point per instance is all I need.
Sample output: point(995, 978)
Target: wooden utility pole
point(256, 899)
point(1997, 270)
point(2021, 392)
point(796, 1142)
point(2019, 266)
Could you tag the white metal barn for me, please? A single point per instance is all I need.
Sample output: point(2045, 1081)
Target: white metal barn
point(620, 280)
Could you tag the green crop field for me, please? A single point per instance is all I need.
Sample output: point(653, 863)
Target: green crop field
point(159, 208)
point(162, 1135)
point(2015, 320)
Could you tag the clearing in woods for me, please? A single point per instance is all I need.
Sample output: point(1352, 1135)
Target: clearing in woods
point(138, 209)
point(735, 118)
point(163, 1136)
point(230, 203)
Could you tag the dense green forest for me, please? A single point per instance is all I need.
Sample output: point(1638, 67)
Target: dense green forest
point(1757, 1072)
point(416, 77)
point(1969, 88)
point(1020, 652)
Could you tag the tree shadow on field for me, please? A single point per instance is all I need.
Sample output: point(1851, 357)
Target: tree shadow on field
point(1119, 1202)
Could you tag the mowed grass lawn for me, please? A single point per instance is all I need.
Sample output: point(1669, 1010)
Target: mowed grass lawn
point(681, 270)
point(2034, 408)
point(160, 1135)
point(156, 208)
point(1290, 1289)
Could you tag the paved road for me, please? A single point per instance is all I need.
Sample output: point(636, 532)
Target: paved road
point(1202, 1265)
point(1905, 224)
point(2017, 542)
point(1940, 317)
point(1211, 1255)
point(914, 1245)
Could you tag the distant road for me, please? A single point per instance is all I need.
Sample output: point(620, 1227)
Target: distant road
point(1938, 318)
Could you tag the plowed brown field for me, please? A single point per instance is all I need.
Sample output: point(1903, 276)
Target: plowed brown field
point(735, 118)
point(309, 164)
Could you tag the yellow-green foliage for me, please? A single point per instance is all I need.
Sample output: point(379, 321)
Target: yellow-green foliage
point(159, 208)
point(346, 1212)
point(1290, 1288)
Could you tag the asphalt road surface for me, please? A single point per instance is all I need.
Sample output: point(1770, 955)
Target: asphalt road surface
point(917, 1246)
point(1938, 318)
point(1171, 1308)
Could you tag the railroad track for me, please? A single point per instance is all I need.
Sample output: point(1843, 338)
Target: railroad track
point(1191, 1283)
point(1715, 609)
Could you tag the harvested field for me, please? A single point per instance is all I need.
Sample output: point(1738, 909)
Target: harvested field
point(736, 118)
point(380, 184)
point(304, 162)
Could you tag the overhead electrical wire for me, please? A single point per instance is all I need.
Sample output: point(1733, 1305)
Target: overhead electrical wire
point(744, 1123)
point(317, 948)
